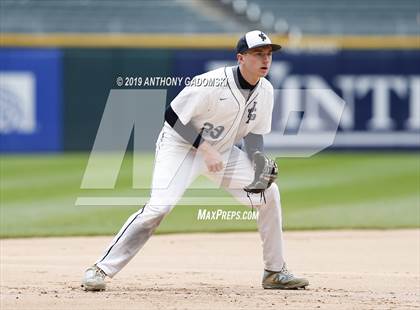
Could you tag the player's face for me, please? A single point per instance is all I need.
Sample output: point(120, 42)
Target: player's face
point(257, 61)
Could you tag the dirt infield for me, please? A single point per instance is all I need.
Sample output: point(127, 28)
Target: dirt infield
point(346, 269)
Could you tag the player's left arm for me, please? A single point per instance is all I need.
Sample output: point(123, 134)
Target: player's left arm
point(253, 143)
point(266, 169)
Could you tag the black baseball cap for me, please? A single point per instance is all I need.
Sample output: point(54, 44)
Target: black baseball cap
point(255, 38)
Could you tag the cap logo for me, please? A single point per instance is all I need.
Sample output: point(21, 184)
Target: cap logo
point(254, 39)
point(262, 36)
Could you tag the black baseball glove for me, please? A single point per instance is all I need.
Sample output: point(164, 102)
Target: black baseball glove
point(265, 173)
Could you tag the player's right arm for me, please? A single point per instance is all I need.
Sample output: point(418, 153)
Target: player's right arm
point(211, 156)
point(190, 102)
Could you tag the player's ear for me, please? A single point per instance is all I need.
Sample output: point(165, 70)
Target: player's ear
point(240, 58)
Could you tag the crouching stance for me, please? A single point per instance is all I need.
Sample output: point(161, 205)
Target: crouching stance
point(202, 126)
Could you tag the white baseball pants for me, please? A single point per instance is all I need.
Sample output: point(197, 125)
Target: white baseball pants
point(176, 167)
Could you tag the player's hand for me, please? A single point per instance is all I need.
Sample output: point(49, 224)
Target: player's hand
point(212, 157)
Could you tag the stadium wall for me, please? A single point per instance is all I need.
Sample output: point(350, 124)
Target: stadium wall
point(67, 80)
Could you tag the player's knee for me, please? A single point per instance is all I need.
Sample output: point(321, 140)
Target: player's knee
point(273, 193)
point(273, 190)
point(158, 209)
point(166, 209)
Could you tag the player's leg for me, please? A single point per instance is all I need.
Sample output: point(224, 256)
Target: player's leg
point(239, 173)
point(175, 169)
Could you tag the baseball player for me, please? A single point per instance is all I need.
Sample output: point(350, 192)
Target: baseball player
point(202, 126)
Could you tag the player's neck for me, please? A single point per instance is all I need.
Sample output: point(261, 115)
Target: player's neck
point(250, 78)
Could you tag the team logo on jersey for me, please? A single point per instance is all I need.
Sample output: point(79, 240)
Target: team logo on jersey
point(251, 113)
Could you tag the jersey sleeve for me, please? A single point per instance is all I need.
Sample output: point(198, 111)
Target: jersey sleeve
point(190, 102)
point(265, 112)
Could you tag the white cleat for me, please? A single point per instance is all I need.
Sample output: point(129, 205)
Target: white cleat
point(94, 279)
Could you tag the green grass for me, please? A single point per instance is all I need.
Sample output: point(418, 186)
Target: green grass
point(327, 191)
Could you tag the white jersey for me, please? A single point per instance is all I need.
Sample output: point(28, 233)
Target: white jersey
point(221, 113)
